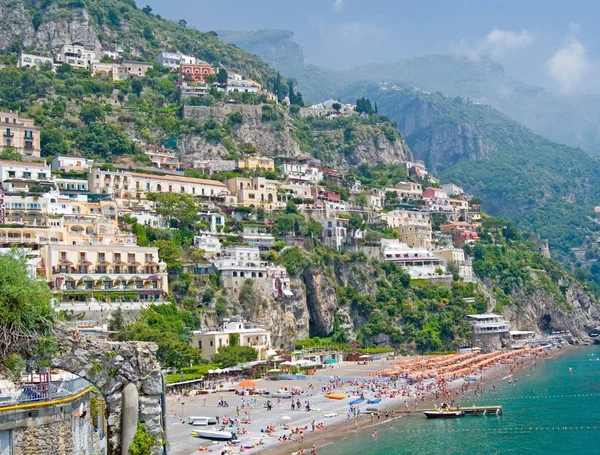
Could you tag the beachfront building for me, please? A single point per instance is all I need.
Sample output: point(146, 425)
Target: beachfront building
point(124, 184)
point(247, 334)
point(488, 330)
point(71, 164)
point(21, 134)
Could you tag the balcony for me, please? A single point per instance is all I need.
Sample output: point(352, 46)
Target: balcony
point(7, 134)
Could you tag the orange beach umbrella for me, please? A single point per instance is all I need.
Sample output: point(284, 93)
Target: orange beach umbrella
point(247, 383)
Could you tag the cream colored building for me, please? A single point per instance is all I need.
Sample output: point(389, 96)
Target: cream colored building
point(76, 55)
point(162, 158)
point(397, 218)
point(71, 163)
point(132, 68)
point(250, 334)
point(19, 133)
point(408, 190)
point(31, 60)
point(110, 70)
point(415, 235)
point(124, 184)
point(253, 192)
point(256, 162)
point(458, 204)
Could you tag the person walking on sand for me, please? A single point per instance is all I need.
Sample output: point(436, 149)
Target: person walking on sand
point(313, 425)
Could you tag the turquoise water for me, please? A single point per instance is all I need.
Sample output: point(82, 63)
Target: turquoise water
point(549, 411)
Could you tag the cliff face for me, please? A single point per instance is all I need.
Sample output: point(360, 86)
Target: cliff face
point(273, 138)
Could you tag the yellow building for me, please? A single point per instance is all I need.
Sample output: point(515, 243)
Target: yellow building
point(458, 204)
point(415, 235)
point(19, 133)
point(253, 192)
point(250, 163)
point(248, 334)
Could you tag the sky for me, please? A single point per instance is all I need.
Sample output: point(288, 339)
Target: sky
point(549, 43)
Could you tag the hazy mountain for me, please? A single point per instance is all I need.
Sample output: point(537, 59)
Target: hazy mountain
point(572, 120)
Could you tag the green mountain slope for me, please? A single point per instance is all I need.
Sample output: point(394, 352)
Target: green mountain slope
point(544, 186)
point(43, 28)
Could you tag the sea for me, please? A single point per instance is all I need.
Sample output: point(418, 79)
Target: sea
point(554, 408)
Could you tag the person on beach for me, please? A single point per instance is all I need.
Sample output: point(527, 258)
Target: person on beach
point(313, 451)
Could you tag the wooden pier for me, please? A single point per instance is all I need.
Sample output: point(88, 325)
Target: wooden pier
point(469, 410)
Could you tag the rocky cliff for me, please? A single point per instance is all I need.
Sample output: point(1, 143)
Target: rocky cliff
point(277, 135)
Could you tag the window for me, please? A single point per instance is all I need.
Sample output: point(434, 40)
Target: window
point(101, 256)
point(41, 175)
point(26, 175)
point(11, 174)
point(212, 343)
point(220, 342)
point(6, 447)
point(199, 344)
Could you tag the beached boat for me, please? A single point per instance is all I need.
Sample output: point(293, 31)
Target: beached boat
point(217, 435)
point(202, 420)
point(374, 401)
point(444, 414)
point(357, 401)
point(335, 396)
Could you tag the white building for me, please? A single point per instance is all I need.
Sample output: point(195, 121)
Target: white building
point(68, 185)
point(70, 163)
point(76, 55)
point(279, 281)
point(301, 172)
point(32, 60)
point(335, 232)
point(247, 333)
point(243, 86)
point(241, 262)
point(452, 189)
point(20, 175)
point(174, 60)
point(259, 237)
point(488, 323)
point(214, 220)
point(418, 262)
point(209, 243)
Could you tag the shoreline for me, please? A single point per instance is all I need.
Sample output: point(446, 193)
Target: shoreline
point(339, 431)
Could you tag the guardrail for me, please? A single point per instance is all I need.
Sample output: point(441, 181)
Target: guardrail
point(42, 391)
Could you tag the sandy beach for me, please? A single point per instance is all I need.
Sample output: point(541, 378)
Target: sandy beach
point(333, 414)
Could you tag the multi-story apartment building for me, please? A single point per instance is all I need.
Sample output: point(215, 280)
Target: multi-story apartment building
point(247, 334)
point(250, 163)
point(32, 60)
point(17, 170)
point(415, 235)
point(241, 262)
point(76, 55)
point(255, 192)
point(162, 158)
point(105, 275)
point(71, 163)
point(258, 236)
point(125, 184)
point(19, 133)
point(111, 70)
point(301, 172)
point(400, 217)
point(195, 72)
point(210, 244)
point(418, 262)
point(335, 232)
point(408, 190)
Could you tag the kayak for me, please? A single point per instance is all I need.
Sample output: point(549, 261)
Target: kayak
point(335, 396)
point(374, 401)
point(357, 401)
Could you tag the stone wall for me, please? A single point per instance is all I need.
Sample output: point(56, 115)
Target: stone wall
point(49, 430)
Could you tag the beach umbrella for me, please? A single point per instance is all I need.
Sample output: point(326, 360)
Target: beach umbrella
point(247, 383)
point(288, 363)
point(286, 418)
point(296, 388)
point(365, 356)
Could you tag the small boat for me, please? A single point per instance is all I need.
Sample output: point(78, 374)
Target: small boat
point(357, 401)
point(374, 401)
point(202, 420)
point(444, 414)
point(217, 435)
point(335, 396)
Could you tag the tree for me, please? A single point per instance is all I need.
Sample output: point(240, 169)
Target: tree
point(290, 207)
point(143, 442)
point(10, 154)
point(362, 200)
point(147, 9)
point(336, 106)
point(137, 86)
point(91, 112)
point(182, 22)
point(228, 356)
point(176, 206)
point(168, 252)
point(26, 314)
point(364, 106)
point(116, 323)
point(222, 77)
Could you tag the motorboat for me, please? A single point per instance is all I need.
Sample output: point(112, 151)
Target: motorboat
point(202, 420)
point(441, 414)
point(216, 435)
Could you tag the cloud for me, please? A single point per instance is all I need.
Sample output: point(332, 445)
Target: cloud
point(338, 5)
point(569, 65)
point(497, 43)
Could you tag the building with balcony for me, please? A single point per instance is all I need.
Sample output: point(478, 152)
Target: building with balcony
point(401, 217)
point(76, 55)
point(255, 192)
point(214, 220)
point(162, 158)
point(279, 282)
point(258, 236)
point(408, 190)
point(71, 164)
point(242, 86)
point(174, 60)
point(71, 185)
point(418, 262)
point(20, 134)
point(133, 68)
point(247, 334)
point(301, 172)
point(415, 235)
point(335, 232)
point(241, 262)
point(195, 72)
point(124, 184)
point(488, 330)
point(210, 244)
point(251, 163)
point(105, 276)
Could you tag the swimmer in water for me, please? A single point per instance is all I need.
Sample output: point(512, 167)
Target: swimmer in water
point(374, 435)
